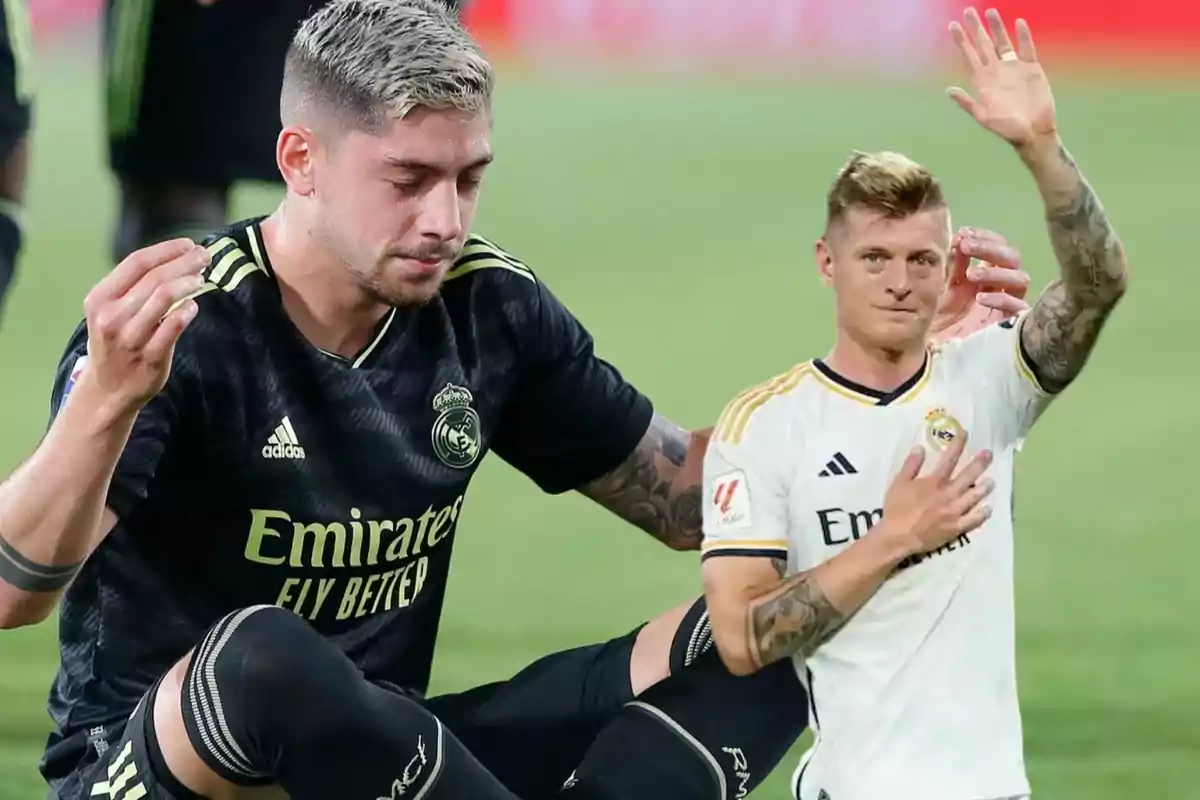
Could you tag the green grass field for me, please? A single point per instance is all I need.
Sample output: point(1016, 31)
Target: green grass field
point(677, 221)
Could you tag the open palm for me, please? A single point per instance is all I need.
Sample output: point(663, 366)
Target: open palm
point(1012, 94)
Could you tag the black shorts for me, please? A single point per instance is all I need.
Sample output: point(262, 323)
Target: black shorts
point(192, 92)
point(16, 90)
point(530, 731)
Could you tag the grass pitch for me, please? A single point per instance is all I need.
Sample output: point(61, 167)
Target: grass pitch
point(677, 221)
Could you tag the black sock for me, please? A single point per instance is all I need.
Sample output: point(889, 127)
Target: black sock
point(268, 700)
point(10, 249)
point(700, 731)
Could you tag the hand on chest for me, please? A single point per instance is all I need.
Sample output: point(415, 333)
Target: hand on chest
point(847, 465)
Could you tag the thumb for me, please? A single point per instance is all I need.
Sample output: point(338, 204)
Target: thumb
point(964, 100)
point(911, 467)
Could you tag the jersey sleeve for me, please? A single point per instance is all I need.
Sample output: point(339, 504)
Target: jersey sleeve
point(994, 362)
point(745, 489)
point(158, 420)
point(572, 416)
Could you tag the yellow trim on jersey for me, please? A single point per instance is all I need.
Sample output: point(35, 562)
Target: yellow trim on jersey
point(731, 425)
point(230, 264)
point(873, 400)
point(1023, 365)
point(485, 255)
point(922, 382)
point(744, 544)
point(256, 249)
point(383, 329)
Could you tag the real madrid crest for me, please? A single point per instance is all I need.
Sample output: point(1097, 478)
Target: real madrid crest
point(456, 431)
point(940, 428)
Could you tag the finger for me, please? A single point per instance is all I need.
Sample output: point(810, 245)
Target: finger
point(114, 315)
point(1004, 45)
point(984, 47)
point(911, 467)
point(1025, 49)
point(964, 46)
point(1006, 304)
point(958, 266)
point(964, 100)
point(999, 277)
point(998, 253)
point(972, 497)
point(974, 518)
point(982, 234)
point(946, 464)
point(161, 344)
point(972, 472)
point(134, 266)
point(141, 326)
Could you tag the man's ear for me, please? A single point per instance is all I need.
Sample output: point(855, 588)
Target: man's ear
point(295, 150)
point(823, 254)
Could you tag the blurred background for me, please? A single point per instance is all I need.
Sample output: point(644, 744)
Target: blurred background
point(662, 165)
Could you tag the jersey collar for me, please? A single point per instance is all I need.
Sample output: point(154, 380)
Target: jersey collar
point(865, 394)
point(259, 252)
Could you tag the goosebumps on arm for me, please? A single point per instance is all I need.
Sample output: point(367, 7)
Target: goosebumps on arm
point(657, 488)
point(1063, 326)
point(796, 618)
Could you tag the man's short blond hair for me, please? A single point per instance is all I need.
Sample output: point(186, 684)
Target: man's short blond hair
point(376, 60)
point(886, 182)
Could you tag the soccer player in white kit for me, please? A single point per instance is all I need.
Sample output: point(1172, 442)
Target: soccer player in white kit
point(890, 590)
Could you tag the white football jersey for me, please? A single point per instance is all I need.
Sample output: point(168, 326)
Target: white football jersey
point(916, 696)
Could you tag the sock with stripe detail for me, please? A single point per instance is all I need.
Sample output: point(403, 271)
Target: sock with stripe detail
point(267, 700)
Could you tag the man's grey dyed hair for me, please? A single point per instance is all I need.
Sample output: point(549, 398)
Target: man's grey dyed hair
point(371, 61)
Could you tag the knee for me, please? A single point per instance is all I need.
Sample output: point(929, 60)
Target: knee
point(266, 649)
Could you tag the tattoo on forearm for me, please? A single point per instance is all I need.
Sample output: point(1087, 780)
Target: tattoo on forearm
point(1066, 320)
point(796, 618)
point(29, 576)
point(646, 490)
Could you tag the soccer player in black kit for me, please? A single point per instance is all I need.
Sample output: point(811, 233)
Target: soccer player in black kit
point(261, 447)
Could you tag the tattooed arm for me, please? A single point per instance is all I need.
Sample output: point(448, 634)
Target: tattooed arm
point(759, 618)
point(657, 488)
point(1059, 332)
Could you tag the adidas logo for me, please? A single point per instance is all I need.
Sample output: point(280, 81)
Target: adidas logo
point(283, 443)
point(838, 465)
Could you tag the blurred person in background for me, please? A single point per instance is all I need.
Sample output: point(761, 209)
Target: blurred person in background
point(16, 98)
point(191, 108)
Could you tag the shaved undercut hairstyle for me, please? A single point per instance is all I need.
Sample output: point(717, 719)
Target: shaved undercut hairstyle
point(368, 62)
point(889, 183)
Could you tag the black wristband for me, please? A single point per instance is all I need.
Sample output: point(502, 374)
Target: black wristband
point(29, 576)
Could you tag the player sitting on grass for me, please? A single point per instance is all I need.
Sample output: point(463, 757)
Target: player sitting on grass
point(260, 453)
point(905, 642)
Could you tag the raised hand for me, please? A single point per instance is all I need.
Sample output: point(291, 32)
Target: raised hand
point(135, 315)
point(1012, 97)
point(978, 294)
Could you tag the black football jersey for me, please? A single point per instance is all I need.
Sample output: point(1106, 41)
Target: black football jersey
point(270, 472)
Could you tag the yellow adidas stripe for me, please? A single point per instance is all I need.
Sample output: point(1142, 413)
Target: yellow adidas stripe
point(475, 238)
point(486, 256)
point(230, 264)
point(488, 263)
point(731, 425)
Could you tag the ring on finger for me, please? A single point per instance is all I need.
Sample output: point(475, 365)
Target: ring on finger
point(1008, 55)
